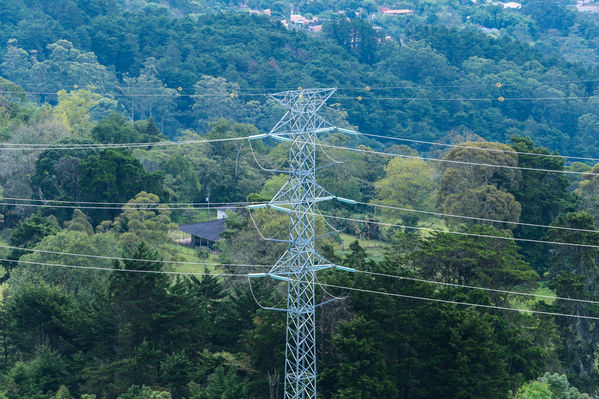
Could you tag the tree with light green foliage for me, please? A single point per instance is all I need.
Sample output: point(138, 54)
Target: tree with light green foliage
point(222, 384)
point(63, 393)
point(18, 167)
point(39, 377)
point(408, 183)
point(143, 219)
point(79, 222)
point(77, 108)
point(69, 240)
point(144, 392)
point(550, 386)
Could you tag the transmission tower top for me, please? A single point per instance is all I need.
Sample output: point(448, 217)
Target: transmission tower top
point(302, 107)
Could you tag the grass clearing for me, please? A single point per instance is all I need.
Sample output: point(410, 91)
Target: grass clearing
point(374, 248)
point(528, 302)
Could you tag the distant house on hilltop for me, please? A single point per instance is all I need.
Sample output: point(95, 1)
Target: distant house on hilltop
point(260, 12)
point(299, 21)
point(587, 6)
point(512, 5)
point(389, 11)
point(488, 31)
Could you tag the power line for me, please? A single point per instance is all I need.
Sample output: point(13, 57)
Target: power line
point(233, 94)
point(453, 284)
point(92, 146)
point(79, 267)
point(475, 218)
point(178, 91)
point(464, 99)
point(472, 287)
point(73, 254)
point(380, 136)
point(360, 220)
point(124, 270)
point(391, 154)
point(239, 93)
point(175, 143)
point(277, 170)
point(463, 233)
point(243, 205)
point(489, 85)
point(447, 301)
point(125, 207)
point(131, 203)
point(323, 284)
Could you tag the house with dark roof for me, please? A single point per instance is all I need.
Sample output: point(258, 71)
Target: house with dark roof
point(205, 233)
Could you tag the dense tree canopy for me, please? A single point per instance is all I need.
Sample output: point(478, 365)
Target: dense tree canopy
point(474, 232)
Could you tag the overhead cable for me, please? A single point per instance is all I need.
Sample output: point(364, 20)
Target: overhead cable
point(110, 269)
point(243, 205)
point(460, 303)
point(462, 233)
point(403, 209)
point(73, 254)
point(380, 136)
point(93, 146)
point(452, 161)
point(125, 207)
point(129, 203)
point(473, 287)
point(437, 300)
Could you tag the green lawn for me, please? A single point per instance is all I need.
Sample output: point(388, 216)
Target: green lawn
point(527, 302)
point(374, 248)
point(187, 254)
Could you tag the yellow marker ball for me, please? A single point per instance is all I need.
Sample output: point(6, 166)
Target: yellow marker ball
point(501, 99)
point(359, 98)
point(232, 95)
point(300, 88)
point(300, 96)
point(367, 88)
point(75, 86)
point(179, 88)
point(498, 84)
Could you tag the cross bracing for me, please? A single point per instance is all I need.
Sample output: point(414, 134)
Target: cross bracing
point(298, 265)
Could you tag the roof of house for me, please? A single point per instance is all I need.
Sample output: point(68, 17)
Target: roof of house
point(297, 18)
point(398, 11)
point(210, 231)
point(511, 4)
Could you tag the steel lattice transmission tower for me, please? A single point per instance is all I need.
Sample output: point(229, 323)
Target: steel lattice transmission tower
point(300, 262)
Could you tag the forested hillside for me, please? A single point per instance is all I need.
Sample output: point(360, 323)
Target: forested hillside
point(472, 182)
